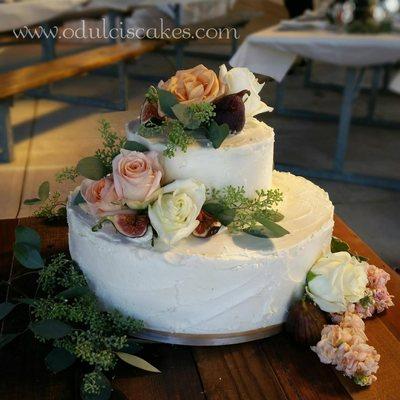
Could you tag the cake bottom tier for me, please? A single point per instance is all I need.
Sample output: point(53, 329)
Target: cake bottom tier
point(225, 289)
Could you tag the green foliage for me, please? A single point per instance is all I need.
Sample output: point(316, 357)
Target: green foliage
point(27, 247)
point(132, 145)
point(112, 145)
point(217, 133)
point(194, 115)
point(92, 168)
point(177, 136)
point(166, 100)
point(53, 208)
point(243, 213)
point(151, 95)
point(340, 245)
point(43, 194)
point(67, 174)
point(73, 320)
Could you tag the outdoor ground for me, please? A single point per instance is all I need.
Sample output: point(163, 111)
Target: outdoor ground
point(51, 135)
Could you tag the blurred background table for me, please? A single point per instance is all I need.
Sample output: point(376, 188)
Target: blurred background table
point(273, 51)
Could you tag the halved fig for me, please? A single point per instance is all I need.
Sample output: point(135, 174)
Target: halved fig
point(131, 224)
point(231, 111)
point(208, 225)
point(149, 112)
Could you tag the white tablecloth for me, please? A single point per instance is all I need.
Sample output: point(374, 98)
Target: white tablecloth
point(272, 51)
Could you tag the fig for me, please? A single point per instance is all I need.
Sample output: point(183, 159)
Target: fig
point(208, 225)
point(230, 110)
point(305, 322)
point(132, 225)
point(149, 113)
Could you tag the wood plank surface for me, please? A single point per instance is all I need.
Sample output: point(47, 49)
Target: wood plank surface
point(33, 76)
point(274, 368)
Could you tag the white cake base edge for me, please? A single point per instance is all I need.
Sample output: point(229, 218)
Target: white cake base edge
point(209, 287)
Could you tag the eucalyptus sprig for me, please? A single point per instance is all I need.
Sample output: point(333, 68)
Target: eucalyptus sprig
point(257, 216)
point(65, 313)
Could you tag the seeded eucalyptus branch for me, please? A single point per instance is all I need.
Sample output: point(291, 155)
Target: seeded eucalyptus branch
point(257, 216)
point(65, 313)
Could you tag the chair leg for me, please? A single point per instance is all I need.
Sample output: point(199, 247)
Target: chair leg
point(6, 136)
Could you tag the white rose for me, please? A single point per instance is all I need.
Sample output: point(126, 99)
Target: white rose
point(238, 79)
point(173, 215)
point(337, 280)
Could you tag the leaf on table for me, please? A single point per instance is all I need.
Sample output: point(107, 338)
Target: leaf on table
point(105, 389)
point(5, 309)
point(59, 359)
point(74, 292)
point(32, 202)
point(137, 362)
point(91, 167)
point(44, 191)
point(28, 256)
point(6, 338)
point(23, 234)
point(51, 329)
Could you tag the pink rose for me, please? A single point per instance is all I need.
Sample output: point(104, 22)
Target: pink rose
point(100, 196)
point(137, 176)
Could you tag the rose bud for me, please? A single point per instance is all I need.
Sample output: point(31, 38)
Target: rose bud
point(231, 111)
point(305, 322)
point(208, 225)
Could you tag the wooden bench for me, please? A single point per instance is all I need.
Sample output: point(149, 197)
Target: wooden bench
point(45, 73)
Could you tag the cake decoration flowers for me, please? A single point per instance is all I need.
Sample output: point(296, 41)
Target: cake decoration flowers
point(100, 196)
point(174, 214)
point(137, 177)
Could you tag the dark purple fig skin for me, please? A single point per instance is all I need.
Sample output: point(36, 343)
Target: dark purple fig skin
point(230, 110)
point(305, 322)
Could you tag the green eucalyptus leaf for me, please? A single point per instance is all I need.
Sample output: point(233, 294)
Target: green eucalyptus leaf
point(26, 235)
point(166, 100)
point(59, 359)
point(182, 113)
point(92, 168)
point(32, 202)
point(74, 292)
point(5, 309)
point(137, 362)
point(51, 329)
point(338, 245)
point(105, 389)
point(272, 229)
point(217, 133)
point(135, 146)
point(6, 338)
point(310, 276)
point(222, 214)
point(78, 199)
point(28, 256)
point(26, 300)
point(44, 191)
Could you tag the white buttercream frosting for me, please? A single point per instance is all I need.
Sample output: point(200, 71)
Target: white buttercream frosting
point(244, 159)
point(228, 283)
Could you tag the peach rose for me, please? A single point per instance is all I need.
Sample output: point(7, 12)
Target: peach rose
point(194, 85)
point(100, 196)
point(137, 177)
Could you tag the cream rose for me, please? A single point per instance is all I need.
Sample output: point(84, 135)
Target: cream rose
point(194, 85)
point(173, 215)
point(100, 196)
point(238, 79)
point(337, 280)
point(137, 177)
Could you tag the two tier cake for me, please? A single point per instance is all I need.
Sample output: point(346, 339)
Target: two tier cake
point(191, 229)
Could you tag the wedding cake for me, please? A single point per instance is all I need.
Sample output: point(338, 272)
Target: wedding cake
point(189, 228)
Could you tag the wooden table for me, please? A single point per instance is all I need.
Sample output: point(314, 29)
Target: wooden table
point(273, 368)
